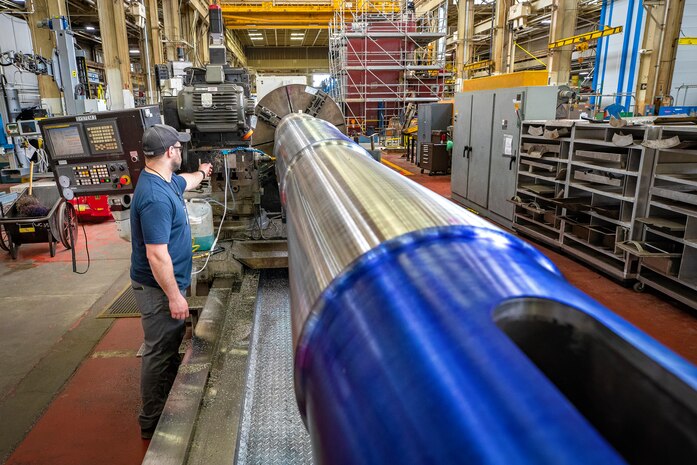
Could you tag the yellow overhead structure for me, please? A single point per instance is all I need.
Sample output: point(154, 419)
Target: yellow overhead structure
point(608, 31)
point(297, 14)
point(687, 41)
point(504, 81)
point(478, 65)
point(279, 14)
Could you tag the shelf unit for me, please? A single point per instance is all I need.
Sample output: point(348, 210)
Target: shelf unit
point(667, 251)
point(581, 187)
point(542, 168)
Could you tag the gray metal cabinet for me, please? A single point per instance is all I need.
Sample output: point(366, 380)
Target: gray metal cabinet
point(504, 152)
point(484, 178)
point(480, 155)
point(462, 124)
point(432, 117)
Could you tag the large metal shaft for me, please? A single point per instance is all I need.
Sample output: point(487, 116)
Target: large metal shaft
point(340, 204)
point(425, 335)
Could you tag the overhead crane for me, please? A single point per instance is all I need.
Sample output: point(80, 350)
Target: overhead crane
point(287, 15)
point(583, 38)
point(272, 15)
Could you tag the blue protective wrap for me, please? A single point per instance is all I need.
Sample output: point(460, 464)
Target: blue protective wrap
point(401, 361)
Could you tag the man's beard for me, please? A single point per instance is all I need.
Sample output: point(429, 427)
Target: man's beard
point(175, 165)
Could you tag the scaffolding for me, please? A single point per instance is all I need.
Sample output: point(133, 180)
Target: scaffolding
point(382, 57)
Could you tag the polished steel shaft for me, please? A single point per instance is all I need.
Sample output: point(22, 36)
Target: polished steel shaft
point(340, 204)
point(416, 323)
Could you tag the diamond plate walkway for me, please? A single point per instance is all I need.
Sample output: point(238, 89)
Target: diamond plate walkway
point(271, 431)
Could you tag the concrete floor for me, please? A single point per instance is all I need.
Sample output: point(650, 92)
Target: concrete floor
point(69, 381)
point(48, 321)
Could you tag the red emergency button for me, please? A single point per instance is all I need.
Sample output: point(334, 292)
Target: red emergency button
point(125, 180)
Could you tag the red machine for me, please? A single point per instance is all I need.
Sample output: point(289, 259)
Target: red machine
point(92, 208)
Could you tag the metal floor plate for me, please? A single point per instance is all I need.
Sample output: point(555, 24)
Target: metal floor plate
point(271, 431)
point(123, 307)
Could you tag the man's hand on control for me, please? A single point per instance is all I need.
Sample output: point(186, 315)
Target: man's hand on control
point(206, 168)
point(179, 307)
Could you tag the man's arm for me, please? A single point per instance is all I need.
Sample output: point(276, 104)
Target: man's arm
point(195, 178)
point(162, 269)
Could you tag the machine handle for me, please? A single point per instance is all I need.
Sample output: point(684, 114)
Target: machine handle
point(513, 158)
point(464, 151)
point(469, 151)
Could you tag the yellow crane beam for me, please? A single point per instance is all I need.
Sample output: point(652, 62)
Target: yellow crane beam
point(275, 25)
point(478, 65)
point(266, 15)
point(288, 14)
point(687, 41)
point(607, 31)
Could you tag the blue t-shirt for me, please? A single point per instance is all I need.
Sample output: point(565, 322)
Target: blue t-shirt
point(158, 216)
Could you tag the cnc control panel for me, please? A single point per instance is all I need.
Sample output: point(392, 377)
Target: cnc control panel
point(98, 177)
point(100, 153)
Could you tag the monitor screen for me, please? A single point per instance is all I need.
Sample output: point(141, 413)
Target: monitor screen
point(27, 128)
point(66, 142)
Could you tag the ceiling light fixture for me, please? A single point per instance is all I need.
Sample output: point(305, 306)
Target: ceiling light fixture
point(134, 51)
point(89, 28)
point(257, 38)
point(546, 21)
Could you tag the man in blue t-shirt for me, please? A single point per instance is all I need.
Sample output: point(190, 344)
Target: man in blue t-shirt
point(161, 263)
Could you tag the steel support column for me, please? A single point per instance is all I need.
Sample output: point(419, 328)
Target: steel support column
point(668, 49)
point(155, 37)
point(460, 51)
point(117, 63)
point(468, 35)
point(172, 32)
point(499, 35)
point(465, 32)
point(564, 13)
point(510, 67)
point(44, 42)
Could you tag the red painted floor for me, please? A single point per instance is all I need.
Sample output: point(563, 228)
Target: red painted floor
point(94, 419)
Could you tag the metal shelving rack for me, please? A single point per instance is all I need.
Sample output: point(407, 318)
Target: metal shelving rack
point(542, 168)
point(580, 188)
point(667, 251)
point(382, 56)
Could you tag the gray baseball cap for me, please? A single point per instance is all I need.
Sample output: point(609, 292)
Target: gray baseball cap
point(158, 138)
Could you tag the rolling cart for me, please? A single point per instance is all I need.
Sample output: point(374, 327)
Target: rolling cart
point(52, 228)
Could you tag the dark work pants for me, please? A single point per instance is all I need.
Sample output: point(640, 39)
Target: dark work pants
point(163, 335)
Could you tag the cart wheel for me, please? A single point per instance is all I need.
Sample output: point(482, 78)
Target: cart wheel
point(4, 239)
point(14, 249)
point(430, 173)
point(638, 286)
point(67, 219)
point(422, 171)
point(52, 248)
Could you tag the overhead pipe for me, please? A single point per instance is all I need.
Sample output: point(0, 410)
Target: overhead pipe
point(424, 334)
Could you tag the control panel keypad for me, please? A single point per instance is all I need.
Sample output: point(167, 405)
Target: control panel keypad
point(110, 175)
point(103, 138)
